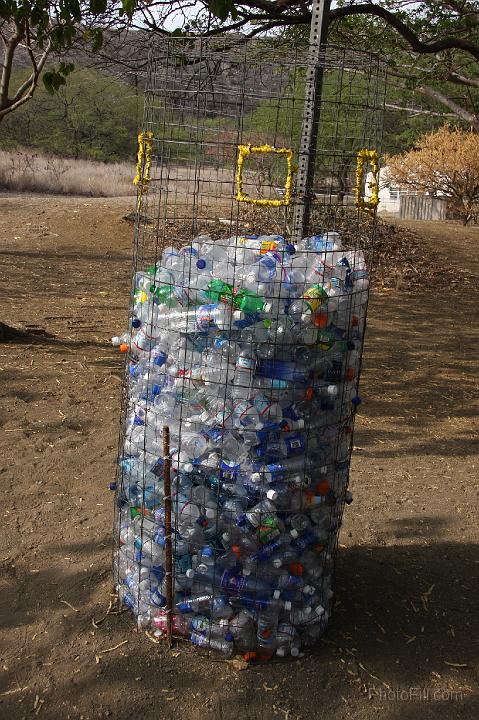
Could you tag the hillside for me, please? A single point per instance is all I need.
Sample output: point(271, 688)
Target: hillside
point(95, 116)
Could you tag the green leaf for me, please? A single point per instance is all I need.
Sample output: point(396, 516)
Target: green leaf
point(221, 8)
point(53, 80)
point(66, 68)
point(97, 7)
point(128, 7)
point(97, 39)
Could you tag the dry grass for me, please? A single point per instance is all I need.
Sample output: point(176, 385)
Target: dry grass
point(27, 171)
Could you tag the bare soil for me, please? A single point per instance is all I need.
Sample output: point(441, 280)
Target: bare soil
point(403, 642)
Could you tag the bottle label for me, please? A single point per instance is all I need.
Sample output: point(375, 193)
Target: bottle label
point(190, 251)
point(157, 599)
point(261, 404)
point(315, 297)
point(295, 444)
point(205, 316)
point(200, 624)
point(233, 583)
point(268, 246)
point(229, 470)
point(266, 633)
point(246, 363)
point(268, 531)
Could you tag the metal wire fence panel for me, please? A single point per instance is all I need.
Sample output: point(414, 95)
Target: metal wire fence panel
point(244, 348)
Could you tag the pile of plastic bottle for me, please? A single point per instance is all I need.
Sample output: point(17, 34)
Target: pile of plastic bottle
point(248, 349)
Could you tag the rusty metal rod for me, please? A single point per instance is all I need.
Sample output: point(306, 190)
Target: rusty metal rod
point(168, 538)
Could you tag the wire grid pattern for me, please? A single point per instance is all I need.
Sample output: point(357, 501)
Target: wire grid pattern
point(247, 347)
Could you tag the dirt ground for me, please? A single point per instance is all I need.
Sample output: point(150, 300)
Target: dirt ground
point(404, 639)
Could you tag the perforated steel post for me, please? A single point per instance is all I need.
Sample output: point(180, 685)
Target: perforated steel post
point(311, 112)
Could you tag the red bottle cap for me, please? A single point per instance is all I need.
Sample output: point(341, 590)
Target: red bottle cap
point(296, 568)
point(323, 487)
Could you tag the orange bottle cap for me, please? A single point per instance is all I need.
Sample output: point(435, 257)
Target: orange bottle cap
point(309, 393)
point(350, 374)
point(124, 347)
point(248, 656)
point(320, 320)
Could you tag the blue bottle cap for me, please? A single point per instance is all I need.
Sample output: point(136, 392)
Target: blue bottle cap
point(112, 486)
point(136, 322)
point(201, 264)
point(160, 359)
point(356, 401)
point(290, 249)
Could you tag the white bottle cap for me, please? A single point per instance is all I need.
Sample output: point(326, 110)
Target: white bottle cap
point(238, 315)
point(210, 513)
point(277, 562)
point(188, 467)
point(287, 605)
point(294, 533)
point(190, 574)
point(276, 594)
point(256, 477)
point(272, 495)
point(281, 652)
point(308, 590)
point(267, 307)
point(319, 610)
point(294, 652)
point(246, 571)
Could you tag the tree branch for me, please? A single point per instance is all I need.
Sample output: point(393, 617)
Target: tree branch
point(445, 43)
point(462, 80)
point(7, 63)
point(419, 111)
point(468, 117)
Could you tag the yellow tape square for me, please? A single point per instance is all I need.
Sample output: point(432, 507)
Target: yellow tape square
point(243, 152)
point(367, 157)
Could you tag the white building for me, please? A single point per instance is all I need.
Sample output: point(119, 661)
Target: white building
point(406, 203)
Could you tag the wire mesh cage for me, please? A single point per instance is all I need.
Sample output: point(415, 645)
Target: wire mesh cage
point(247, 316)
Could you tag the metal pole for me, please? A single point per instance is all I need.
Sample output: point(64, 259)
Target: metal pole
point(309, 127)
point(168, 538)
